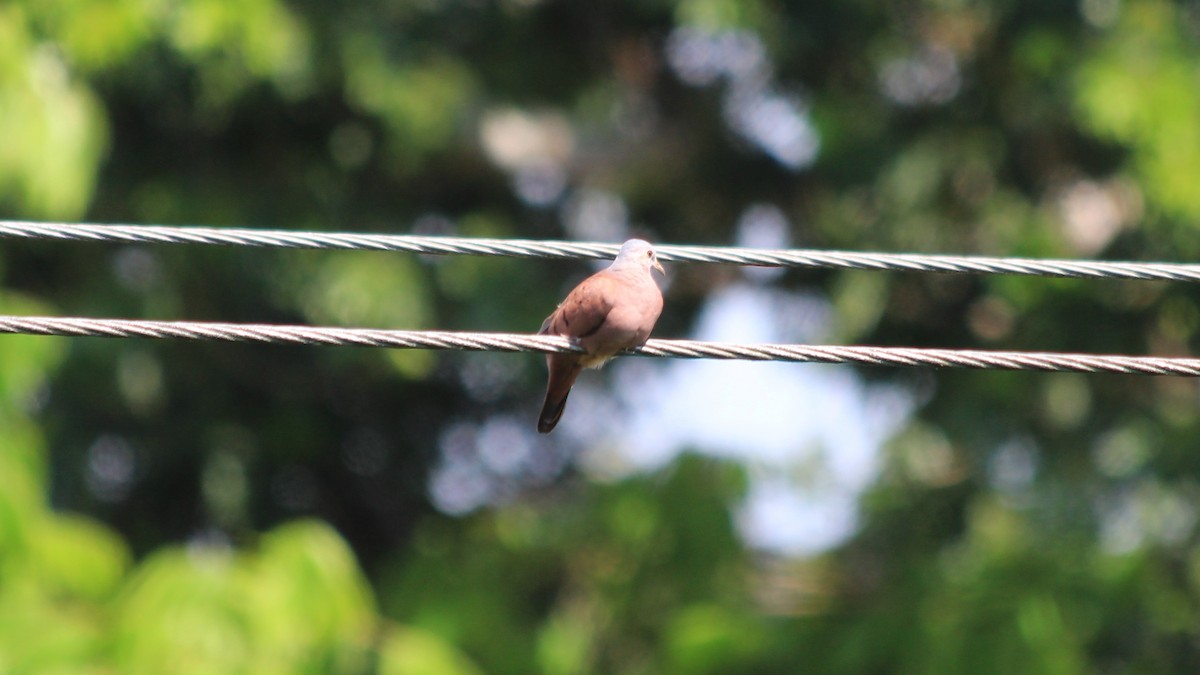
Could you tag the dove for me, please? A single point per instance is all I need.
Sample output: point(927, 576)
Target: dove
point(610, 311)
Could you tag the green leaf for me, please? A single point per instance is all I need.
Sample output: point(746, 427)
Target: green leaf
point(52, 129)
point(413, 651)
point(79, 556)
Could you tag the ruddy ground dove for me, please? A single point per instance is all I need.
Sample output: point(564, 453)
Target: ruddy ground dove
point(612, 310)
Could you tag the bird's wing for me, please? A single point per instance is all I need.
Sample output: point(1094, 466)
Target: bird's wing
point(585, 309)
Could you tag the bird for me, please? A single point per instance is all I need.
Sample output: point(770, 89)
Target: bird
point(611, 311)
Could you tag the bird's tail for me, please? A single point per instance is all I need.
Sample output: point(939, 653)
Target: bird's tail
point(551, 412)
point(563, 372)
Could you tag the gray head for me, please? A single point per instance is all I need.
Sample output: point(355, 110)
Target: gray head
point(636, 254)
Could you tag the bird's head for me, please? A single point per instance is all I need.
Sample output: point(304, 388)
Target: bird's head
point(637, 254)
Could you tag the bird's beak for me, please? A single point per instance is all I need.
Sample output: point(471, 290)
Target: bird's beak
point(658, 266)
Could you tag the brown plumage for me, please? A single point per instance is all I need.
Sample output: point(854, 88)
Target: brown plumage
point(610, 311)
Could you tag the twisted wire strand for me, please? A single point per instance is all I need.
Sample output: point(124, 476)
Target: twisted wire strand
point(808, 259)
point(688, 349)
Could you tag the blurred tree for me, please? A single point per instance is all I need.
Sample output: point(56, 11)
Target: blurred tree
point(225, 508)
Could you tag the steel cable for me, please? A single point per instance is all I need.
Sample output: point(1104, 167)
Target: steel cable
point(799, 258)
point(689, 349)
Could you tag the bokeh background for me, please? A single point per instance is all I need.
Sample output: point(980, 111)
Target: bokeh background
point(191, 507)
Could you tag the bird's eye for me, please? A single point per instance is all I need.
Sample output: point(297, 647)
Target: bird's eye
point(649, 254)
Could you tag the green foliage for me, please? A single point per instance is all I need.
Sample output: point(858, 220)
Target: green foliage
point(411, 651)
point(52, 132)
point(375, 291)
point(593, 584)
point(1140, 90)
point(98, 34)
point(716, 14)
point(53, 567)
point(415, 99)
point(298, 604)
point(267, 509)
